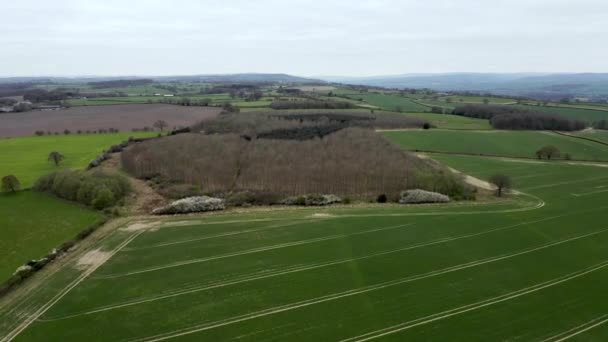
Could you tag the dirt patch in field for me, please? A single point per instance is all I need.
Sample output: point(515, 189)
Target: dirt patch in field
point(92, 258)
point(91, 118)
point(321, 215)
point(141, 226)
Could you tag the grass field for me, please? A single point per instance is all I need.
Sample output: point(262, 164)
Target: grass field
point(459, 272)
point(587, 115)
point(476, 99)
point(501, 143)
point(26, 157)
point(33, 224)
point(390, 102)
point(452, 121)
point(601, 135)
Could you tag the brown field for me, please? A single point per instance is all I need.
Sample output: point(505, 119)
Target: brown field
point(122, 117)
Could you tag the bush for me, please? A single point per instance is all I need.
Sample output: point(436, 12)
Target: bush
point(10, 183)
point(421, 196)
point(103, 199)
point(381, 199)
point(248, 198)
point(191, 205)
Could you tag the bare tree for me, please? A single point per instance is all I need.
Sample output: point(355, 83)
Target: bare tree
point(56, 157)
point(548, 152)
point(502, 183)
point(161, 125)
point(10, 183)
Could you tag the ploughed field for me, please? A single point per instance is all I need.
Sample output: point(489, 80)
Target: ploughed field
point(533, 267)
point(92, 118)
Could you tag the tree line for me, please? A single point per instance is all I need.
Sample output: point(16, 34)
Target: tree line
point(510, 117)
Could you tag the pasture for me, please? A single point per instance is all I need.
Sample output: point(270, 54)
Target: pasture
point(33, 224)
point(122, 117)
point(26, 157)
point(447, 121)
point(587, 115)
point(522, 144)
point(459, 272)
point(390, 102)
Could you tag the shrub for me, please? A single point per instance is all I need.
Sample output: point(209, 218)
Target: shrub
point(103, 199)
point(381, 198)
point(10, 183)
point(418, 196)
point(191, 205)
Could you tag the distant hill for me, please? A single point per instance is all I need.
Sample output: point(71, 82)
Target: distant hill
point(538, 85)
point(228, 78)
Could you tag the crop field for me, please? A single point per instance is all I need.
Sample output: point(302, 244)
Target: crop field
point(477, 99)
point(33, 224)
point(601, 135)
point(499, 143)
point(461, 272)
point(447, 121)
point(391, 103)
point(26, 157)
point(588, 115)
point(122, 117)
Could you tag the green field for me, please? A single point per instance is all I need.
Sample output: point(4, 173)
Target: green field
point(391, 102)
point(26, 157)
point(587, 115)
point(476, 99)
point(601, 135)
point(500, 143)
point(33, 224)
point(446, 121)
point(459, 272)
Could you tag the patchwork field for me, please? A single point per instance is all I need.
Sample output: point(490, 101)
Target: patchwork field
point(122, 117)
point(27, 157)
point(588, 115)
point(500, 143)
point(33, 224)
point(458, 272)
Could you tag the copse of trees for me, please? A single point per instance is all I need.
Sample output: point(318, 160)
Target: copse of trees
point(311, 104)
point(352, 162)
point(549, 152)
point(96, 189)
point(264, 123)
point(510, 117)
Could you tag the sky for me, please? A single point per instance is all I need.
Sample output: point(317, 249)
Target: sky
point(305, 38)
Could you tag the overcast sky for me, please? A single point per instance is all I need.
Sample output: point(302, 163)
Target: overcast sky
point(308, 37)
